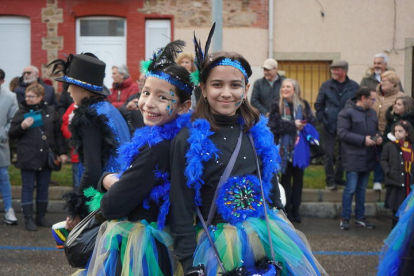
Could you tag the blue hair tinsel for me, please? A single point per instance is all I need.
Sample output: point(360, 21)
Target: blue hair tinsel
point(234, 63)
point(202, 149)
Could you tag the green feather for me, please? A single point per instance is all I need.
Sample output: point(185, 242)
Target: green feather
point(195, 77)
point(95, 198)
point(145, 64)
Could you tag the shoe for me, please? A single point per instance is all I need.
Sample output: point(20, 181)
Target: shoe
point(10, 217)
point(344, 224)
point(41, 209)
point(377, 186)
point(364, 223)
point(331, 187)
point(30, 224)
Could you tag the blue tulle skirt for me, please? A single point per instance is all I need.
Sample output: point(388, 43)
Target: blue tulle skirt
point(396, 245)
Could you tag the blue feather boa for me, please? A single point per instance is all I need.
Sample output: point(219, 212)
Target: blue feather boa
point(202, 149)
point(151, 136)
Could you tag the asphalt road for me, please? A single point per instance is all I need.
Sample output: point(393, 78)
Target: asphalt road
point(352, 252)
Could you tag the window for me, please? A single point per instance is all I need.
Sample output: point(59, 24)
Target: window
point(157, 35)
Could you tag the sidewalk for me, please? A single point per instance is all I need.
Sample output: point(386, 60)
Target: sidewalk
point(315, 202)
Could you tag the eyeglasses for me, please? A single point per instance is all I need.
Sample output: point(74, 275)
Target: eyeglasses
point(27, 73)
point(31, 97)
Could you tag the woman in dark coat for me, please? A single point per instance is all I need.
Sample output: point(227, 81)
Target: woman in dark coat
point(288, 116)
point(33, 143)
point(402, 109)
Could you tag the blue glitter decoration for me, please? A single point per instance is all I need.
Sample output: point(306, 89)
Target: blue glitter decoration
point(234, 63)
point(174, 81)
point(82, 84)
point(240, 198)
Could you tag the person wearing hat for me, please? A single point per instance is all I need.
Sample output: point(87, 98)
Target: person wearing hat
point(97, 127)
point(266, 89)
point(333, 94)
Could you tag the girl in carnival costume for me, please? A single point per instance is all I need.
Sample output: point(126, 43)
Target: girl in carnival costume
point(244, 238)
point(136, 200)
point(97, 127)
point(397, 254)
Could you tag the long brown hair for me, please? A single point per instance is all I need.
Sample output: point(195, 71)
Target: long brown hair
point(203, 110)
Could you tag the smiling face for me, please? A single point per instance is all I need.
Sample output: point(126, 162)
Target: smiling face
point(379, 65)
point(287, 91)
point(159, 103)
point(400, 133)
point(186, 63)
point(387, 85)
point(225, 90)
point(399, 107)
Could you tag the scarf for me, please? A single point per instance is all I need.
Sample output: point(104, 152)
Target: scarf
point(287, 141)
point(408, 158)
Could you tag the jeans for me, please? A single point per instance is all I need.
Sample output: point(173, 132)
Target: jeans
point(75, 175)
point(356, 183)
point(333, 175)
point(42, 179)
point(378, 172)
point(5, 188)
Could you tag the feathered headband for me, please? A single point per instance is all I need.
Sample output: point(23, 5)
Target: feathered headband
point(162, 58)
point(201, 56)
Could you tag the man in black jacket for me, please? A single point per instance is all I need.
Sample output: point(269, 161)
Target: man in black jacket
point(358, 131)
point(266, 89)
point(333, 95)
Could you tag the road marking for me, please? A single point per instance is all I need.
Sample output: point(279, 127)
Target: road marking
point(344, 253)
point(56, 249)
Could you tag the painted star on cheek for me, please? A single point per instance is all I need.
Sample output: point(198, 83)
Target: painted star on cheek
point(171, 102)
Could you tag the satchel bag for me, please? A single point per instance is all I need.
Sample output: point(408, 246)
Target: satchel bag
point(52, 159)
point(81, 240)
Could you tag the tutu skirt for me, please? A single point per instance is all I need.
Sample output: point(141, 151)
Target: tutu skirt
point(246, 243)
point(396, 246)
point(130, 248)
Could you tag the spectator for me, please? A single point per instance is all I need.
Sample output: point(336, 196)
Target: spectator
point(74, 158)
point(65, 100)
point(332, 97)
point(8, 107)
point(30, 76)
point(396, 161)
point(373, 76)
point(186, 60)
point(288, 116)
point(403, 109)
point(131, 113)
point(13, 84)
point(32, 152)
point(122, 87)
point(358, 131)
point(97, 128)
point(388, 92)
point(141, 82)
point(266, 89)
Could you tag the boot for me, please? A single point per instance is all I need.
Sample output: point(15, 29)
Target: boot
point(296, 215)
point(41, 221)
point(28, 217)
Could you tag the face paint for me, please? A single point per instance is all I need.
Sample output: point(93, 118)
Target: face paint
point(171, 102)
point(241, 97)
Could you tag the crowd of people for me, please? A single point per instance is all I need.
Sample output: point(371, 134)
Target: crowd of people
point(141, 158)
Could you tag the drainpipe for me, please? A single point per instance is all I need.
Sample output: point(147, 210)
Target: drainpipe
point(271, 11)
point(217, 16)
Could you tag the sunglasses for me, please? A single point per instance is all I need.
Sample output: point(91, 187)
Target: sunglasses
point(27, 73)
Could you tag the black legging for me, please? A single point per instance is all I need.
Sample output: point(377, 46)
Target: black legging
point(293, 189)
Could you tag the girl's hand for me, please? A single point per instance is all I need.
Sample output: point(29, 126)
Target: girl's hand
point(27, 123)
point(63, 158)
point(299, 125)
point(109, 180)
point(379, 141)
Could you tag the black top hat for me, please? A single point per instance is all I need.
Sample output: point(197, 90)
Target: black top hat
point(83, 70)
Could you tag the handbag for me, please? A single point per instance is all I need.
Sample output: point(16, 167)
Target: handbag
point(52, 159)
point(81, 240)
point(263, 267)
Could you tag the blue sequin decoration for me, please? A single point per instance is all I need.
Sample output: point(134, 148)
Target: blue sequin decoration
point(83, 84)
point(117, 124)
point(174, 81)
point(234, 63)
point(240, 198)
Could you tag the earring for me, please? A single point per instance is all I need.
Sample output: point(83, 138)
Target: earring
point(205, 99)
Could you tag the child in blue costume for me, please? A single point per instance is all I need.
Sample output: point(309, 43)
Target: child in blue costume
point(136, 200)
point(199, 154)
point(97, 127)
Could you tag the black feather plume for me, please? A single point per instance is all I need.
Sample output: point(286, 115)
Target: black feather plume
point(61, 66)
point(167, 54)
